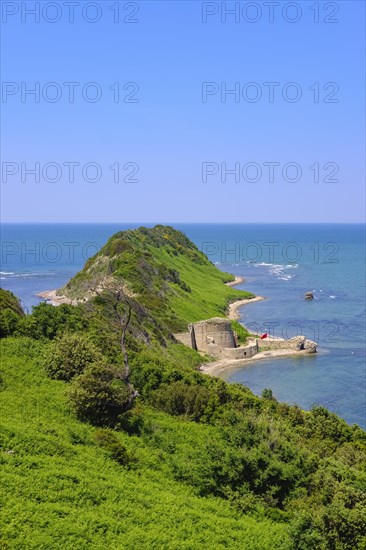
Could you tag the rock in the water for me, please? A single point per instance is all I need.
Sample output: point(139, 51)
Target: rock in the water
point(297, 343)
point(300, 343)
point(310, 346)
point(309, 296)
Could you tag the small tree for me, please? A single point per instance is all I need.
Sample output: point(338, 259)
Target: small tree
point(110, 442)
point(268, 394)
point(69, 355)
point(118, 306)
point(99, 395)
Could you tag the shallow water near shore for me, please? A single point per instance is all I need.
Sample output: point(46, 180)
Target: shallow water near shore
point(280, 262)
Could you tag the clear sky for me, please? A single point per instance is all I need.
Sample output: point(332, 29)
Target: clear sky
point(172, 134)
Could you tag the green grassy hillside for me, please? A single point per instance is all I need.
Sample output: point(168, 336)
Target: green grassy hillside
point(112, 438)
point(61, 490)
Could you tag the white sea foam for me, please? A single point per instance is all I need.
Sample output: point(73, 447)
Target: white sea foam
point(278, 270)
point(286, 277)
point(26, 274)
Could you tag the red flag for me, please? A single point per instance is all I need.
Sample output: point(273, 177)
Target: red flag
point(264, 336)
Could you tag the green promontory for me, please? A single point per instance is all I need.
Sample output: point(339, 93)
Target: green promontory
point(162, 270)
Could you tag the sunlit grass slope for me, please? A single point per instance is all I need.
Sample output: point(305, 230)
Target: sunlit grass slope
point(60, 490)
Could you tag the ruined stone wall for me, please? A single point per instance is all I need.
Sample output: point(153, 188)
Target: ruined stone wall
point(243, 352)
point(185, 338)
point(272, 344)
point(297, 343)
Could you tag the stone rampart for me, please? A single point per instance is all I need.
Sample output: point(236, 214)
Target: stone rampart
point(297, 343)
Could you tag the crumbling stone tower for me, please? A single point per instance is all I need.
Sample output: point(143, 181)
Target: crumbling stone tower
point(213, 331)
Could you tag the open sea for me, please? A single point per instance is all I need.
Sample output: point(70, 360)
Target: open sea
point(280, 262)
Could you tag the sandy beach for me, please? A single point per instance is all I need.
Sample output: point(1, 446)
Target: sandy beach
point(233, 308)
point(237, 281)
point(215, 368)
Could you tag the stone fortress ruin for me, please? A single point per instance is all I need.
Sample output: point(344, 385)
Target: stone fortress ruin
point(216, 338)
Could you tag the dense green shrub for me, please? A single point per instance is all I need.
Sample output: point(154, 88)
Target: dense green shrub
point(9, 321)
point(11, 313)
point(109, 441)
point(8, 300)
point(47, 321)
point(99, 395)
point(340, 524)
point(179, 398)
point(268, 394)
point(69, 355)
point(326, 425)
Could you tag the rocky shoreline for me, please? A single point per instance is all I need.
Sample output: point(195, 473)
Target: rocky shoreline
point(54, 299)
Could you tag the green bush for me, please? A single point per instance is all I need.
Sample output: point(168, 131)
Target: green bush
point(268, 394)
point(11, 313)
point(69, 355)
point(98, 395)
point(9, 321)
point(110, 442)
point(48, 322)
point(179, 398)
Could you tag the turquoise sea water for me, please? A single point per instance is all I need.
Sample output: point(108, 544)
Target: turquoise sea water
point(280, 262)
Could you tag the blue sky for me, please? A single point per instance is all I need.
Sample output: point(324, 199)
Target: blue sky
point(170, 133)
